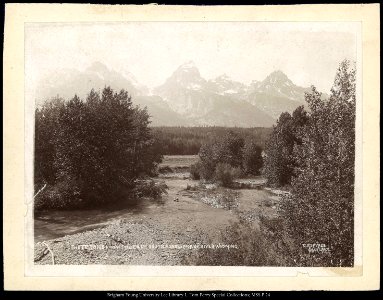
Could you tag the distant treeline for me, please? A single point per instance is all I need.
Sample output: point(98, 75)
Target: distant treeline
point(188, 140)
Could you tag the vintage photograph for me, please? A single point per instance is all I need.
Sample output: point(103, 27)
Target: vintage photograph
point(193, 143)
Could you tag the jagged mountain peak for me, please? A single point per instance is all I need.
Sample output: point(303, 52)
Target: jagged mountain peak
point(186, 97)
point(186, 75)
point(187, 70)
point(278, 73)
point(277, 77)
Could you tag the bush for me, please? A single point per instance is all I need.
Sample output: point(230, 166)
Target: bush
point(220, 198)
point(267, 203)
point(195, 170)
point(62, 195)
point(251, 248)
point(165, 169)
point(192, 188)
point(225, 174)
point(150, 189)
point(228, 199)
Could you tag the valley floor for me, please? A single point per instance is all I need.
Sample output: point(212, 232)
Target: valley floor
point(156, 233)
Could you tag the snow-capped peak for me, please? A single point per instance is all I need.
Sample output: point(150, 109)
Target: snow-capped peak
point(186, 73)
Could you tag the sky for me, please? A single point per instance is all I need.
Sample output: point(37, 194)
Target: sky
point(308, 53)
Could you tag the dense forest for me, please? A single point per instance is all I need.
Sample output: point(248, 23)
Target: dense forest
point(188, 140)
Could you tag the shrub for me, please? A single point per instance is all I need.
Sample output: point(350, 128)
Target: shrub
point(150, 189)
point(62, 195)
point(195, 170)
point(228, 199)
point(192, 188)
point(220, 197)
point(251, 248)
point(267, 203)
point(165, 169)
point(225, 174)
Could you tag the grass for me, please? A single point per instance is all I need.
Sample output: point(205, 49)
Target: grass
point(253, 247)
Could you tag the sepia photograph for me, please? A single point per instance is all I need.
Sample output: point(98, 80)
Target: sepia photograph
point(184, 142)
point(193, 143)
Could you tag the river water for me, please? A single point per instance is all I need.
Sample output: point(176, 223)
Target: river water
point(55, 224)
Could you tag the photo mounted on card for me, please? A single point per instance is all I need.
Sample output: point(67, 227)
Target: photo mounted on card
point(193, 143)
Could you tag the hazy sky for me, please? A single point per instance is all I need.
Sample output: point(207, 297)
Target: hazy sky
point(308, 53)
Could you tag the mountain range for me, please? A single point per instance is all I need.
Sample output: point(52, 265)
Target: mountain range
point(186, 98)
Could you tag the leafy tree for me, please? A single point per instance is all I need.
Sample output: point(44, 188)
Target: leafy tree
point(225, 149)
point(92, 152)
point(252, 157)
point(46, 125)
point(320, 208)
point(280, 162)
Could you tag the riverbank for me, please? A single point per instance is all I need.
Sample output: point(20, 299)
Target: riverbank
point(155, 232)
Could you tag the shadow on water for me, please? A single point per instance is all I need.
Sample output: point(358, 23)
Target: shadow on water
point(54, 224)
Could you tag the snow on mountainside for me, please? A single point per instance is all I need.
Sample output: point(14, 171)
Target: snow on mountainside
point(186, 98)
point(278, 84)
point(224, 85)
point(209, 102)
point(276, 94)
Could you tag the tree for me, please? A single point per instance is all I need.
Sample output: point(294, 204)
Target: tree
point(320, 208)
point(279, 161)
point(226, 149)
point(46, 125)
point(95, 149)
point(252, 157)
